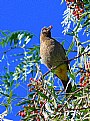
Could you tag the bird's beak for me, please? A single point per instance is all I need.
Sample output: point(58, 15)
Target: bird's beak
point(50, 27)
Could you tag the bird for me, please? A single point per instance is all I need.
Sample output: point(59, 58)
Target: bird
point(53, 55)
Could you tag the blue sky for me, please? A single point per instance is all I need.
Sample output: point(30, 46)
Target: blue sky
point(32, 15)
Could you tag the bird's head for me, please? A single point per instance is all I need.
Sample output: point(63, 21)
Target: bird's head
point(45, 32)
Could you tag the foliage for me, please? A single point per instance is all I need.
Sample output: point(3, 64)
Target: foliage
point(43, 100)
point(78, 14)
point(25, 61)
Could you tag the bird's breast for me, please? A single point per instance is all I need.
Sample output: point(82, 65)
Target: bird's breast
point(50, 53)
point(46, 53)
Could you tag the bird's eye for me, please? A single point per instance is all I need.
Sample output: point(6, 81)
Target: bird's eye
point(44, 30)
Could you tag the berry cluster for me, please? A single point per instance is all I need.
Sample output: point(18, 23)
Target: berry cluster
point(35, 85)
point(77, 7)
point(85, 79)
point(33, 108)
point(22, 113)
point(37, 103)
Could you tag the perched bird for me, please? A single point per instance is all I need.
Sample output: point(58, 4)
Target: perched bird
point(53, 55)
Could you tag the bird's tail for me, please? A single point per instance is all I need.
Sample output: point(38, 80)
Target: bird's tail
point(61, 73)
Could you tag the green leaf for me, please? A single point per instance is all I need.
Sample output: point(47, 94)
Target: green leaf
point(72, 75)
point(3, 33)
point(3, 42)
point(74, 88)
point(42, 95)
point(15, 38)
point(86, 1)
point(11, 94)
point(32, 108)
point(51, 87)
point(70, 33)
point(4, 94)
point(63, 42)
point(23, 102)
point(6, 82)
point(11, 83)
point(7, 75)
point(82, 50)
point(10, 97)
point(31, 95)
point(17, 85)
point(56, 119)
point(70, 48)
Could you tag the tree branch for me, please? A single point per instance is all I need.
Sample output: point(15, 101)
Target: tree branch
point(64, 61)
point(77, 109)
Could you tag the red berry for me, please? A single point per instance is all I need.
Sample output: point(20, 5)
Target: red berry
point(36, 111)
point(38, 119)
point(81, 85)
point(31, 89)
point(78, 17)
point(85, 83)
point(22, 113)
point(76, 6)
point(81, 79)
point(59, 106)
point(31, 79)
point(74, 12)
point(81, 11)
point(29, 84)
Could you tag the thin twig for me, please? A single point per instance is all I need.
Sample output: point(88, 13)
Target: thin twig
point(62, 63)
point(70, 99)
point(73, 94)
point(77, 108)
point(78, 56)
